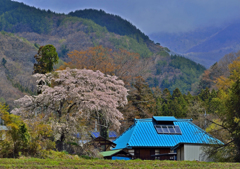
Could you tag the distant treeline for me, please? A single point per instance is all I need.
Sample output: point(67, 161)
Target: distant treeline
point(113, 23)
point(190, 71)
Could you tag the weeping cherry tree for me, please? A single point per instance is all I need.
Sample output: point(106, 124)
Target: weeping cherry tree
point(72, 94)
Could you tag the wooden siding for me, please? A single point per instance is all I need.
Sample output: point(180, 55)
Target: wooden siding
point(145, 153)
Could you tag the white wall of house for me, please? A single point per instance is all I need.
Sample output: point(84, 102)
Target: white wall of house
point(191, 152)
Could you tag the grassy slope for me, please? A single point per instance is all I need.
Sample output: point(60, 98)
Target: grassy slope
point(83, 163)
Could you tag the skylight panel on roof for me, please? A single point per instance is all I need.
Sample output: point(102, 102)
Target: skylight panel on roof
point(177, 129)
point(171, 129)
point(165, 129)
point(168, 129)
point(159, 129)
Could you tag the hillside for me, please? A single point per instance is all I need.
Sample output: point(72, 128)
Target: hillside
point(48, 27)
point(204, 45)
point(16, 72)
point(220, 68)
point(113, 23)
point(68, 33)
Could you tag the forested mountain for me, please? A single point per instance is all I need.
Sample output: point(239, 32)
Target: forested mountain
point(204, 45)
point(71, 32)
point(221, 69)
point(113, 23)
point(16, 67)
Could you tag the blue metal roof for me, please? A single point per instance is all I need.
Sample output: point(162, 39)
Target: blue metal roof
point(111, 134)
point(164, 118)
point(144, 134)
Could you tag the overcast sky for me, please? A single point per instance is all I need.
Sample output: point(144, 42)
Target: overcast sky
point(154, 15)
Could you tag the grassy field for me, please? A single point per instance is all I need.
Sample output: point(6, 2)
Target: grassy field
point(83, 163)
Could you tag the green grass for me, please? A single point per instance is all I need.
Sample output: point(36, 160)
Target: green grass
point(100, 163)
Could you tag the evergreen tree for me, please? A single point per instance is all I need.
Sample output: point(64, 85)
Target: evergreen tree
point(46, 58)
point(205, 94)
point(165, 111)
point(166, 95)
point(213, 94)
point(176, 93)
point(143, 99)
point(188, 97)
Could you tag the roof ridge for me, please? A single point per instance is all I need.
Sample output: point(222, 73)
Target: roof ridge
point(125, 131)
point(136, 123)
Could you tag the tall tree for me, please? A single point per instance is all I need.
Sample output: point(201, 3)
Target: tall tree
point(95, 58)
point(231, 117)
point(142, 98)
point(176, 93)
point(166, 95)
point(72, 94)
point(46, 58)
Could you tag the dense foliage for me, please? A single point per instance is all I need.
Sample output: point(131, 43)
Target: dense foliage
point(22, 139)
point(70, 95)
point(113, 23)
point(226, 121)
point(15, 17)
point(165, 73)
point(46, 58)
point(220, 70)
point(188, 74)
point(121, 63)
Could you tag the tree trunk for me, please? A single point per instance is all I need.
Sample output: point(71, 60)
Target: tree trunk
point(103, 128)
point(60, 143)
point(104, 132)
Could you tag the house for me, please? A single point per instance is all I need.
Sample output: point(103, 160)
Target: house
point(98, 141)
point(105, 145)
point(165, 138)
point(102, 144)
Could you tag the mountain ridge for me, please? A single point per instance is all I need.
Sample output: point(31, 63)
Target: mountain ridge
point(205, 45)
point(68, 33)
